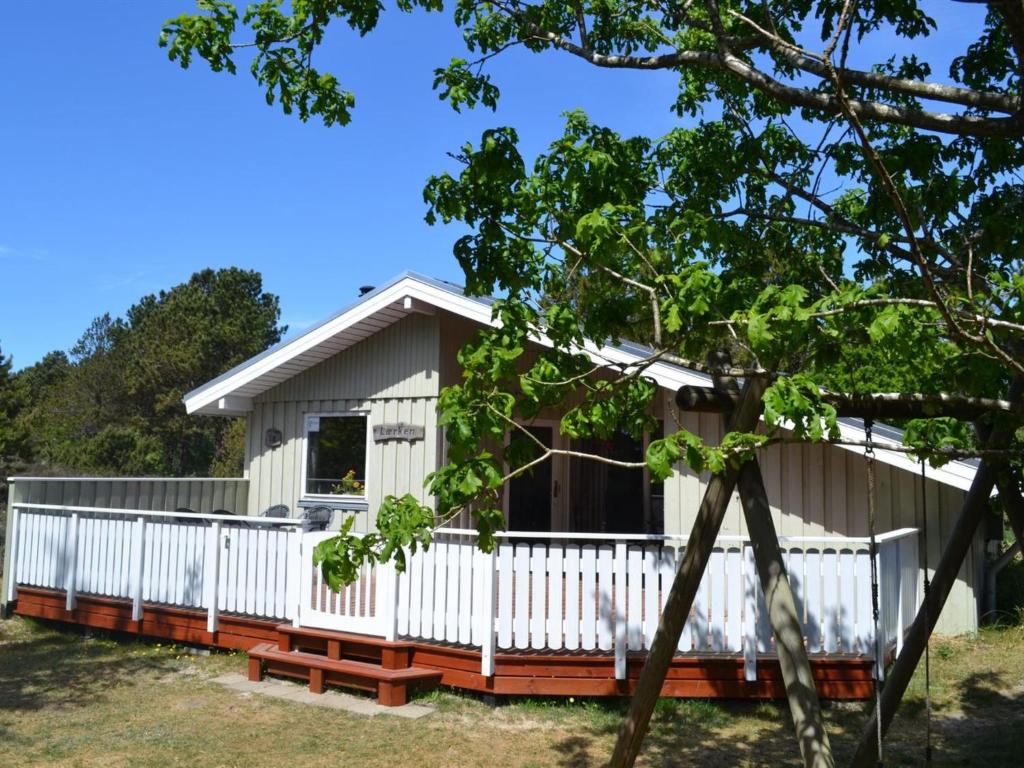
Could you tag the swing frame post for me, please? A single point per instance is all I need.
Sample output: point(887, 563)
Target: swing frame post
point(684, 587)
point(869, 461)
point(1013, 504)
point(957, 546)
point(927, 618)
point(794, 663)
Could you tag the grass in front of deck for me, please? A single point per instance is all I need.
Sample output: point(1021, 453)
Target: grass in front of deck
point(72, 700)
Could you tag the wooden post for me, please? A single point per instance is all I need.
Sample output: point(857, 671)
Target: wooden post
point(684, 588)
point(879, 405)
point(956, 549)
point(71, 561)
point(1013, 504)
point(487, 613)
point(959, 544)
point(211, 576)
point(796, 666)
point(138, 566)
point(620, 610)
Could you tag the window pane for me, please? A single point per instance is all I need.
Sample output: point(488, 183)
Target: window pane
point(336, 463)
point(606, 498)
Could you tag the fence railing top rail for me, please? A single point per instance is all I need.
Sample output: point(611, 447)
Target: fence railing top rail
point(655, 537)
point(899, 533)
point(189, 516)
point(30, 478)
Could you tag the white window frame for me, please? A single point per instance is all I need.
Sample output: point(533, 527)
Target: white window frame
point(334, 497)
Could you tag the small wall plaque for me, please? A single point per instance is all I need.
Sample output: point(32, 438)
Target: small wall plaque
point(401, 431)
point(273, 438)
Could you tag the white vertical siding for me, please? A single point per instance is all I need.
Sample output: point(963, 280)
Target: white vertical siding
point(392, 376)
point(396, 375)
point(816, 490)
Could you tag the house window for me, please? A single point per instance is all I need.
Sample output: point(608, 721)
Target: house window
point(611, 499)
point(336, 454)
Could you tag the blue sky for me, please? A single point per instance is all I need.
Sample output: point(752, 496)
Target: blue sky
point(121, 174)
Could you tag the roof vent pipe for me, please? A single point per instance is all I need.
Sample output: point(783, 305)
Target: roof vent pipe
point(365, 289)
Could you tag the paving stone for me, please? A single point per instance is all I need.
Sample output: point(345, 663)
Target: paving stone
point(408, 711)
point(281, 689)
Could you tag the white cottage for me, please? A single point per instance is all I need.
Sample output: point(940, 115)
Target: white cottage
point(313, 402)
point(568, 604)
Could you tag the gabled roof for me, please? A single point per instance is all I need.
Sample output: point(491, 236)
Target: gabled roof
point(231, 393)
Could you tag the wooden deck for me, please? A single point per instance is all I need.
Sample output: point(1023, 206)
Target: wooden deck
point(546, 673)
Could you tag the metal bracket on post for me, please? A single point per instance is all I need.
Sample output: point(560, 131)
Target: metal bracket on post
point(71, 562)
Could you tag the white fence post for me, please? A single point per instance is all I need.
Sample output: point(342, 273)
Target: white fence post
point(138, 566)
point(750, 587)
point(390, 601)
point(211, 576)
point(878, 633)
point(898, 593)
point(11, 586)
point(296, 570)
point(620, 610)
point(71, 561)
point(486, 618)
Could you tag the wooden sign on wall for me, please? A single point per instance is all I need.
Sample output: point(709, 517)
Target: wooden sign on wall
point(401, 431)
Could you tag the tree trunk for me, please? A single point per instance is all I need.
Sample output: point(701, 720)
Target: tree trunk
point(796, 666)
point(684, 588)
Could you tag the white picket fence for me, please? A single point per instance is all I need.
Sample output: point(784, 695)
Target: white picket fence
point(605, 592)
point(572, 592)
point(216, 563)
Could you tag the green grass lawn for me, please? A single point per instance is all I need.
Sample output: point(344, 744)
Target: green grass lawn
point(71, 700)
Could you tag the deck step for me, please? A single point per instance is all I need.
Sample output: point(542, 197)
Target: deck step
point(293, 631)
point(389, 654)
point(390, 685)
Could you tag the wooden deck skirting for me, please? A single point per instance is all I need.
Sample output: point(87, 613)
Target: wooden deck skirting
point(706, 675)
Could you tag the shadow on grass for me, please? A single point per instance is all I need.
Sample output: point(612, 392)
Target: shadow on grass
point(991, 731)
point(685, 732)
point(56, 668)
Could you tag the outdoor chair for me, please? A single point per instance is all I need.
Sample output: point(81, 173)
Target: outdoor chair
point(278, 510)
point(318, 518)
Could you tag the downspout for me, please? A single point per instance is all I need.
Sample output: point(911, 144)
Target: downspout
point(991, 572)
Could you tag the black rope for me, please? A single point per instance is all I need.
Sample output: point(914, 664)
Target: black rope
point(869, 459)
point(927, 622)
